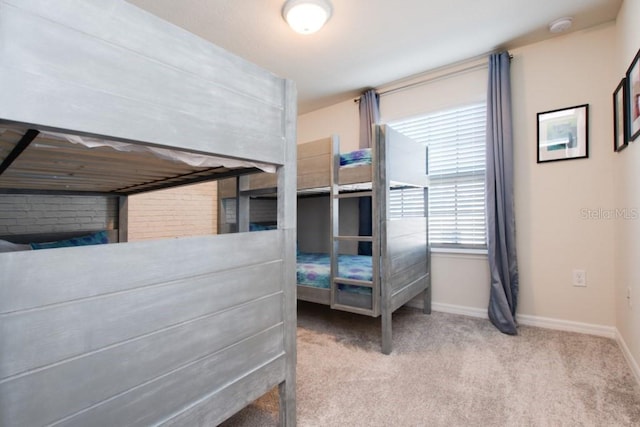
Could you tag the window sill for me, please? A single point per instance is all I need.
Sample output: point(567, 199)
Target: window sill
point(460, 251)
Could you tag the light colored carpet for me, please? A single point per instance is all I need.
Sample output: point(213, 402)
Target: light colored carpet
point(450, 370)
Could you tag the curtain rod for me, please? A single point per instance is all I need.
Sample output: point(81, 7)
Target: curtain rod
point(433, 79)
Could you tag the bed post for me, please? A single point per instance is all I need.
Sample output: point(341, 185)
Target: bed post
point(380, 215)
point(287, 202)
point(123, 219)
point(426, 302)
point(243, 214)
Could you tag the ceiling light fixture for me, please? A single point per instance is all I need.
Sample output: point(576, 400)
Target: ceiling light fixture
point(560, 25)
point(306, 16)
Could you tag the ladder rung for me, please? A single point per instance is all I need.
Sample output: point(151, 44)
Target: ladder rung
point(353, 309)
point(353, 195)
point(354, 238)
point(356, 282)
point(260, 191)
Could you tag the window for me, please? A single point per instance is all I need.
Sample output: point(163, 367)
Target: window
point(456, 141)
point(406, 202)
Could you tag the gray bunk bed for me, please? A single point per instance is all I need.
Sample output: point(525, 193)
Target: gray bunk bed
point(168, 332)
point(398, 268)
point(400, 262)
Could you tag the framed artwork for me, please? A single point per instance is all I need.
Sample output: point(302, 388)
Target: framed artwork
point(563, 134)
point(633, 98)
point(620, 116)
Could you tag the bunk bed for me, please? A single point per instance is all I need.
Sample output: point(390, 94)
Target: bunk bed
point(398, 267)
point(102, 99)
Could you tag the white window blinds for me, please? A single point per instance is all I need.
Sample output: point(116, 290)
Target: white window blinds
point(406, 202)
point(456, 141)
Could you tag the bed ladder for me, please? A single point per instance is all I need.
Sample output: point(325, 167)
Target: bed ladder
point(335, 196)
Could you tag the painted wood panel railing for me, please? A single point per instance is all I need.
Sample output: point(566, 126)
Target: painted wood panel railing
point(118, 341)
point(198, 96)
point(403, 242)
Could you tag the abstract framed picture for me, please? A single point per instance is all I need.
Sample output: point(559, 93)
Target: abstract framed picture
point(563, 134)
point(633, 98)
point(620, 141)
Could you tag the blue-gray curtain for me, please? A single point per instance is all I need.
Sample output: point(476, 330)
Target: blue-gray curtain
point(501, 228)
point(369, 114)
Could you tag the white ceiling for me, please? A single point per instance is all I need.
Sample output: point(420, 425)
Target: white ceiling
point(368, 43)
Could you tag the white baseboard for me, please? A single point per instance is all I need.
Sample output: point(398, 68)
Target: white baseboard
point(525, 319)
point(459, 309)
point(567, 325)
point(548, 323)
point(633, 364)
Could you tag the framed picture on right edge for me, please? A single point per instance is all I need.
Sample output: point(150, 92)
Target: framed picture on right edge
point(620, 117)
point(633, 98)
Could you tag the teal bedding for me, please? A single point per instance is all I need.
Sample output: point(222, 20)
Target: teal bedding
point(356, 158)
point(312, 269)
point(256, 226)
point(99, 238)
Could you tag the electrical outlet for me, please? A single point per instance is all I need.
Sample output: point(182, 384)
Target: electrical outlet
point(629, 296)
point(579, 278)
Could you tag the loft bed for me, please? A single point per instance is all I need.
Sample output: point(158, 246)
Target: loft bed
point(166, 332)
point(398, 268)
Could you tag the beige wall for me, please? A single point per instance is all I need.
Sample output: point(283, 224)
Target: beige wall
point(552, 239)
point(551, 199)
point(626, 166)
point(341, 119)
point(176, 212)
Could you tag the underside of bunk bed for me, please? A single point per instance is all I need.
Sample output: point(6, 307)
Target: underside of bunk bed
point(38, 166)
point(164, 332)
point(34, 161)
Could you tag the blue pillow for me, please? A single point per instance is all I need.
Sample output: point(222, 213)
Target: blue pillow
point(259, 227)
point(98, 238)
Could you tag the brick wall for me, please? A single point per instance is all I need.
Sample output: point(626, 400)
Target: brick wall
point(182, 211)
point(25, 214)
point(175, 212)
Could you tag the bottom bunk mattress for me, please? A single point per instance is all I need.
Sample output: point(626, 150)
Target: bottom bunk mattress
point(313, 269)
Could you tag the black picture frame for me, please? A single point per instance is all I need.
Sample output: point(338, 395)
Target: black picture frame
point(620, 140)
point(633, 98)
point(563, 134)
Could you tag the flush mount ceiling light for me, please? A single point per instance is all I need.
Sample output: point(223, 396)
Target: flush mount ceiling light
point(306, 16)
point(560, 25)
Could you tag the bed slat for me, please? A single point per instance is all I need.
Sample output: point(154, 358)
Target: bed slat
point(407, 248)
point(33, 399)
point(54, 333)
point(214, 408)
point(147, 331)
point(21, 145)
point(408, 292)
point(101, 270)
